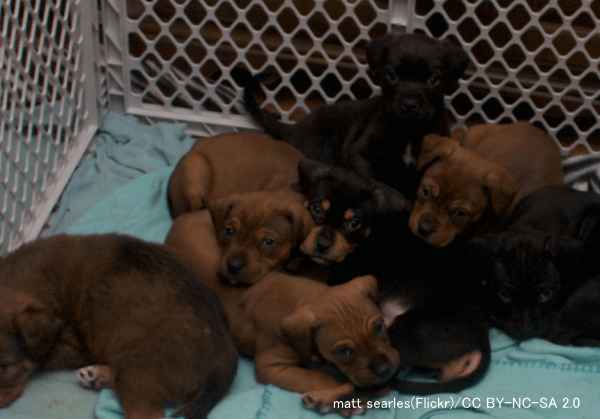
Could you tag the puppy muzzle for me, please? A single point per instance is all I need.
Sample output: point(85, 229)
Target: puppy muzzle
point(427, 226)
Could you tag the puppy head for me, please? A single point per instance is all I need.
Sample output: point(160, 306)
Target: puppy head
point(524, 278)
point(415, 72)
point(345, 208)
point(345, 327)
point(457, 190)
point(28, 333)
point(256, 232)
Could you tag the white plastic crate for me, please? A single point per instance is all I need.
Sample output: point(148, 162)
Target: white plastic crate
point(65, 63)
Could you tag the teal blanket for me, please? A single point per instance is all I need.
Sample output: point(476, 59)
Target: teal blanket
point(533, 379)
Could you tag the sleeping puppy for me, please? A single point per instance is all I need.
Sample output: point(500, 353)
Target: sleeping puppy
point(541, 271)
point(131, 306)
point(379, 137)
point(473, 186)
point(289, 321)
point(234, 162)
point(345, 208)
point(257, 232)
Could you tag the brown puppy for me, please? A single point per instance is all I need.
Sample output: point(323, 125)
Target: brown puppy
point(257, 232)
point(113, 300)
point(476, 184)
point(287, 321)
point(229, 163)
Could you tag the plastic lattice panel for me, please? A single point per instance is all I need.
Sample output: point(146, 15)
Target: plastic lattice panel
point(41, 110)
point(535, 59)
point(186, 58)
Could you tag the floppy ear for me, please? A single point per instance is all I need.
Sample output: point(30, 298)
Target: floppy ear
point(565, 251)
point(300, 327)
point(390, 201)
point(457, 60)
point(367, 285)
point(301, 221)
point(377, 50)
point(308, 172)
point(502, 188)
point(220, 209)
point(434, 147)
point(38, 331)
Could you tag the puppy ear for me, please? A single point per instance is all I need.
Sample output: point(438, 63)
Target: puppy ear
point(457, 60)
point(390, 201)
point(377, 50)
point(565, 251)
point(502, 188)
point(435, 147)
point(300, 327)
point(220, 208)
point(38, 331)
point(301, 221)
point(367, 285)
point(308, 172)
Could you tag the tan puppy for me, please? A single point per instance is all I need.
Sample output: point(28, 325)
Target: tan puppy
point(257, 232)
point(287, 321)
point(284, 321)
point(477, 183)
point(229, 163)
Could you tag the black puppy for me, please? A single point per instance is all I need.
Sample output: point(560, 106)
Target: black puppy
point(541, 273)
point(442, 331)
point(379, 137)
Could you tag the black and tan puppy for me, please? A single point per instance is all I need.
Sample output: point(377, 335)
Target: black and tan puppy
point(133, 307)
point(345, 207)
point(541, 272)
point(379, 137)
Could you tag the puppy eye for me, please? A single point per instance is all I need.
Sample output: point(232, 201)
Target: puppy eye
point(505, 296)
point(459, 213)
point(345, 352)
point(391, 76)
point(433, 80)
point(3, 368)
point(354, 223)
point(229, 231)
point(268, 242)
point(316, 208)
point(426, 192)
point(380, 327)
point(546, 295)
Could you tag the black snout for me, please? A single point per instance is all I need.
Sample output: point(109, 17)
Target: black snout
point(426, 227)
point(324, 241)
point(380, 366)
point(410, 105)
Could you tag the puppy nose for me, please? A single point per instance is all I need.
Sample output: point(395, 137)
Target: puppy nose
point(235, 264)
point(381, 368)
point(427, 226)
point(410, 104)
point(324, 241)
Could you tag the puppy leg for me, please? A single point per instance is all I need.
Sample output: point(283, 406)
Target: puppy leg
point(96, 377)
point(188, 185)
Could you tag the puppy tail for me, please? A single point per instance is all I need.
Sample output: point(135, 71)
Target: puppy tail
point(425, 388)
point(213, 389)
point(267, 120)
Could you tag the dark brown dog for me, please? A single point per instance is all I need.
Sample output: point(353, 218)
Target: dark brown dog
point(112, 300)
point(229, 163)
point(257, 232)
point(379, 137)
point(476, 184)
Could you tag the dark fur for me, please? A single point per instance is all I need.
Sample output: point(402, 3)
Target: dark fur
point(371, 136)
point(442, 323)
point(70, 301)
point(541, 272)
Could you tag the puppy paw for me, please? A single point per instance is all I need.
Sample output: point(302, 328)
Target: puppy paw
point(322, 402)
point(92, 377)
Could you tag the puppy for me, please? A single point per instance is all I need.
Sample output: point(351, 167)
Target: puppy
point(234, 162)
point(475, 185)
point(345, 208)
point(112, 300)
point(541, 271)
point(289, 321)
point(379, 137)
point(257, 232)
